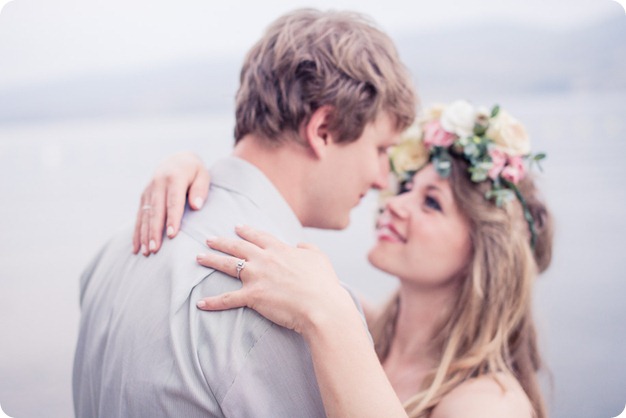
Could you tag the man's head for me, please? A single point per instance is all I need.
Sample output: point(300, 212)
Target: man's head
point(308, 59)
point(333, 85)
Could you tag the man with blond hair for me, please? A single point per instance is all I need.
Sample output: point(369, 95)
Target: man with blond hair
point(322, 96)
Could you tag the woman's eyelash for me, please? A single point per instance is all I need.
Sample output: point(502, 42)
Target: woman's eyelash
point(432, 203)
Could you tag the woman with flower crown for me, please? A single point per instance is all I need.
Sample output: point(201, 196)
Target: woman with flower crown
point(465, 233)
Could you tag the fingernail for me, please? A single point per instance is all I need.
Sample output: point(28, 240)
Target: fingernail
point(198, 202)
point(170, 231)
point(152, 245)
point(210, 240)
point(143, 249)
point(200, 256)
point(240, 226)
point(201, 304)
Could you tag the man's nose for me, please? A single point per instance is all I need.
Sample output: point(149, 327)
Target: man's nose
point(382, 179)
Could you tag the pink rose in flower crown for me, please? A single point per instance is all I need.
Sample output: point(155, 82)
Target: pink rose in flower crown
point(498, 158)
point(436, 136)
point(515, 170)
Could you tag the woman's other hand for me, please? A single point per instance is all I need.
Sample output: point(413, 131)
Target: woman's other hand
point(295, 287)
point(163, 200)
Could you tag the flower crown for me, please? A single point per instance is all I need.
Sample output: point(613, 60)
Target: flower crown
point(494, 144)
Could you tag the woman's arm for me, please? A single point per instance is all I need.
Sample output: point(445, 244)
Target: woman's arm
point(163, 201)
point(297, 288)
point(351, 379)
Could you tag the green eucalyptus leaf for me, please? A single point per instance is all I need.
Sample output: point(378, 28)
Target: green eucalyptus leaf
point(479, 129)
point(471, 150)
point(443, 163)
point(393, 166)
point(479, 176)
point(495, 110)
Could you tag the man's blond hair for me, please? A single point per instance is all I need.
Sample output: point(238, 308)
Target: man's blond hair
point(308, 59)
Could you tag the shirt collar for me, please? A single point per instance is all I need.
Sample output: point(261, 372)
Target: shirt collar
point(242, 177)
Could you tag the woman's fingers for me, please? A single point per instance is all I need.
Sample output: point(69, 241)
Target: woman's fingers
point(164, 199)
point(155, 217)
point(234, 246)
point(308, 246)
point(257, 237)
point(176, 195)
point(199, 189)
point(143, 219)
point(225, 263)
point(229, 300)
point(137, 231)
point(145, 228)
point(229, 265)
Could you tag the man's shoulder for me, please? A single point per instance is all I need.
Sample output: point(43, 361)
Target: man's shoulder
point(223, 210)
point(247, 360)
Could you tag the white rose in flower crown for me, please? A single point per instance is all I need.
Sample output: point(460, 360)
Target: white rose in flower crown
point(459, 118)
point(410, 154)
point(509, 134)
point(432, 113)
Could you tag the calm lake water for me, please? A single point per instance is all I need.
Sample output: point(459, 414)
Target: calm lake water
point(67, 186)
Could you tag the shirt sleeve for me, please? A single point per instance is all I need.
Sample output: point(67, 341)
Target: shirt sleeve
point(253, 367)
point(277, 380)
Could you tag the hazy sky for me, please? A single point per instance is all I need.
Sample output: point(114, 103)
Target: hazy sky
point(43, 39)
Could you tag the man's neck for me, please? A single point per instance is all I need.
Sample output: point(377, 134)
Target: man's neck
point(285, 166)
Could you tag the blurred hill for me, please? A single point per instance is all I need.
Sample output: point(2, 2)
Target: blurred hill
point(514, 60)
point(502, 59)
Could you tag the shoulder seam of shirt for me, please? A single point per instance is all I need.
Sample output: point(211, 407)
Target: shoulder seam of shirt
point(270, 326)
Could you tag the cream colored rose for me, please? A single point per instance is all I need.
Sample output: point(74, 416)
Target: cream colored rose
point(432, 113)
point(410, 154)
point(459, 118)
point(412, 133)
point(509, 134)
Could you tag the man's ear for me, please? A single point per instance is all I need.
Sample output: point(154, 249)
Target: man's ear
point(316, 132)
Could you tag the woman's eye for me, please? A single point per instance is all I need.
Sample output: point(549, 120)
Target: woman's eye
point(432, 203)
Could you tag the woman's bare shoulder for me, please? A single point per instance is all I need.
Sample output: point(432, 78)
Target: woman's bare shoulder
point(494, 395)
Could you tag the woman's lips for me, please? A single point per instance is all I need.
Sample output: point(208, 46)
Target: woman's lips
point(387, 232)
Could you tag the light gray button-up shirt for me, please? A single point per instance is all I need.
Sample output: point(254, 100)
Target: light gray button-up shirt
point(145, 350)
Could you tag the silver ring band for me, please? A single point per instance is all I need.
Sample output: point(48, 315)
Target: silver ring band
point(241, 264)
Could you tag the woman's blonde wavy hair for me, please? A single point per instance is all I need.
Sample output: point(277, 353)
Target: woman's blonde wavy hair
point(490, 328)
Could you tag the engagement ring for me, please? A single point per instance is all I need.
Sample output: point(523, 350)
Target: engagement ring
point(241, 264)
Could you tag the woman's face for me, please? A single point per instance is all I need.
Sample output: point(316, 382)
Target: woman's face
point(422, 236)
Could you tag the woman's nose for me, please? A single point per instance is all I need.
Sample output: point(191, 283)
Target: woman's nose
point(396, 205)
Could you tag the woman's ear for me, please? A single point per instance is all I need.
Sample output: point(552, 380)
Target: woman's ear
point(316, 133)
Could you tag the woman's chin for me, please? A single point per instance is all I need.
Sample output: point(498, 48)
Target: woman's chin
point(376, 258)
